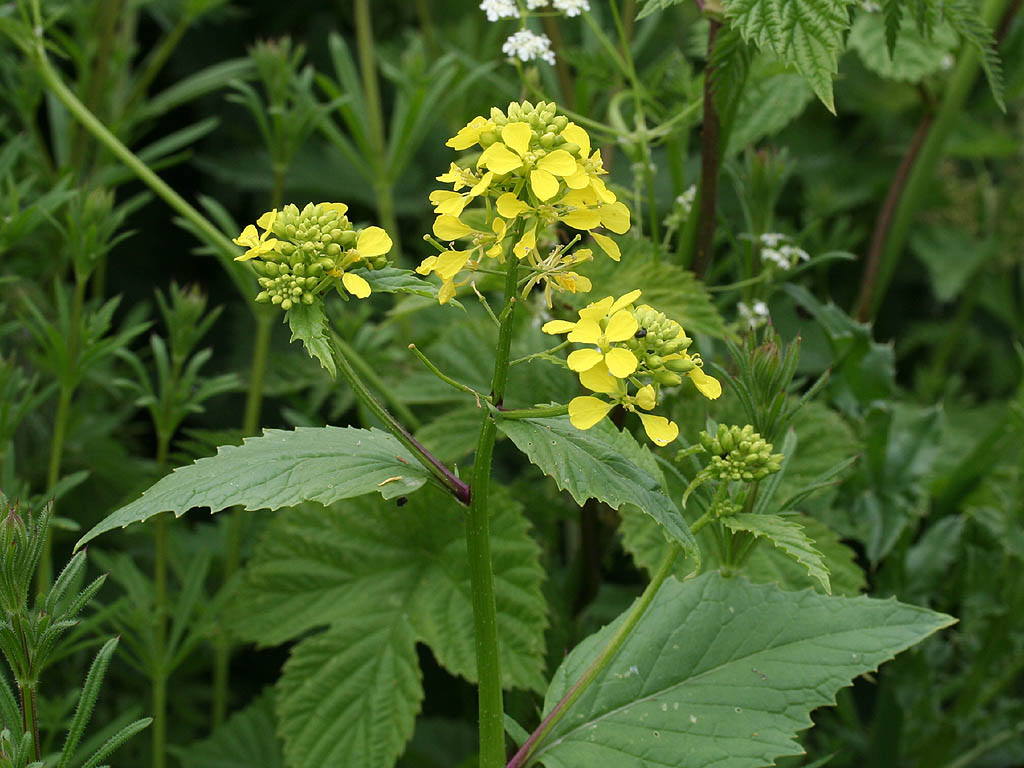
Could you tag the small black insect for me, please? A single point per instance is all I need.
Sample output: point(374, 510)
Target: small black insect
point(640, 334)
point(401, 501)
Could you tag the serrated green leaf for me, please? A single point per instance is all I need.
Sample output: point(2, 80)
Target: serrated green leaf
point(349, 696)
point(308, 324)
point(771, 100)
point(246, 739)
point(965, 18)
point(316, 567)
point(915, 56)
point(788, 536)
point(721, 672)
point(806, 34)
point(395, 280)
point(666, 286)
point(280, 469)
point(653, 6)
point(597, 464)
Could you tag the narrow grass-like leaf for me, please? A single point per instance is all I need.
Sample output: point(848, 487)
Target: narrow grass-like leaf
point(87, 701)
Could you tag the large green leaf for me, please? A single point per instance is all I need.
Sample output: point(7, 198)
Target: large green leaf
point(248, 738)
point(807, 34)
point(349, 696)
point(915, 56)
point(721, 672)
point(598, 464)
point(666, 286)
point(787, 535)
point(280, 469)
point(316, 567)
point(773, 98)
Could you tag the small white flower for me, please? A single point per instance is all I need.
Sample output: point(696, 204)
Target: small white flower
point(533, 5)
point(686, 200)
point(754, 316)
point(870, 6)
point(499, 9)
point(570, 7)
point(772, 239)
point(527, 46)
point(793, 254)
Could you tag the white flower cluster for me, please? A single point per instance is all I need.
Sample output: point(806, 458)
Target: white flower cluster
point(685, 201)
point(776, 249)
point(500, 9)
point(754, 315)
point(527, 46)
point(568, 7)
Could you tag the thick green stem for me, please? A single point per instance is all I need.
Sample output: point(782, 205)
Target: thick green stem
point(257, 373)
point(924, 156)
point(29, 711)
point(478, 545)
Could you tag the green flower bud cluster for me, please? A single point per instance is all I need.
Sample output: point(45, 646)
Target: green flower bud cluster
point(287, 287)
point(315, 232)
point(660, 345)
point(546, 124)
point(739, 453)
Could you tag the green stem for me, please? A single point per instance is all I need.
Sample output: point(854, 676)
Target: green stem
point(429, 365)
point(257, 373)
point(366, 371)
point(158, 58)
point(44, 576)
point(919, 182)
point(478, 545)
point(29, 705)
point(435, 466)
point(534, 413)
point(158, 676)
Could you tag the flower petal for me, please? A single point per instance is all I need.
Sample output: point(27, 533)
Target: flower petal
point(527, 243)
point(470, 134)
point(557, 326)
point(248, 238)
point(586, 411)
point(578, 180)
point(517, 136)
point(597, 379)
point(597, 310)
point(450, 228)
point(607, 245)
point(446, 293)
point(659, 429)
point(450, 263)
point(499, 159)
point(340, 208)
point(559, 162)
point(373, 241)
point(582, 218)
point(624, 301)
point(427, 265)
point(355, 285)
point(578, 136)
point(584, 359)
point(621, 362)
point(615, 216)
point(621, 326)
point(481, 186)
point(510, 206)
point(587, 331)
point(267, 219)
point(543, 184)
point(707, 385)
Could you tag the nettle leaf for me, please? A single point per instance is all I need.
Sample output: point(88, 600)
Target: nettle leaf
point(315, 567)
point(787, 535)
point(773, 98)
point(807, 34)
point(600, 463)
point(915, 55)
point(666, 286)
point(723, 673)
point(248, 738)
point(280, 469)
point(653, 6)
point(308, 324)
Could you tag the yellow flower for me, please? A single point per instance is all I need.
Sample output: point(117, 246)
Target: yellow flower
point(586, 411)
point(513, 152)
point(602, 324)
point(257, 244)
point(447, 202)
point(371, 242)
point(706, 384)
point(470, 134)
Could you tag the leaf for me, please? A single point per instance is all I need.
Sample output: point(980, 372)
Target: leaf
point(768, 104)
point(280, 469)
point(720, 672)
point(666, 287)
point(787, 535)
point(807, 34)
point(653, 6)
point(350, 695)
point(395, 280)
point(308, 323)
point(598, 463)
point(315, 567)
point(965, 18)
point(248, 738)
point(915, 57)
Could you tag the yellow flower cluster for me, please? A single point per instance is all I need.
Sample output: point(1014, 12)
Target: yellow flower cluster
point(302, 253)
point(629, 346)
point(534, 167)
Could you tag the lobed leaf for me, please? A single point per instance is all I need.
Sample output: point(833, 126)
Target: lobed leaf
point(308, 323)
point(280, 469)
point(786, 535)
